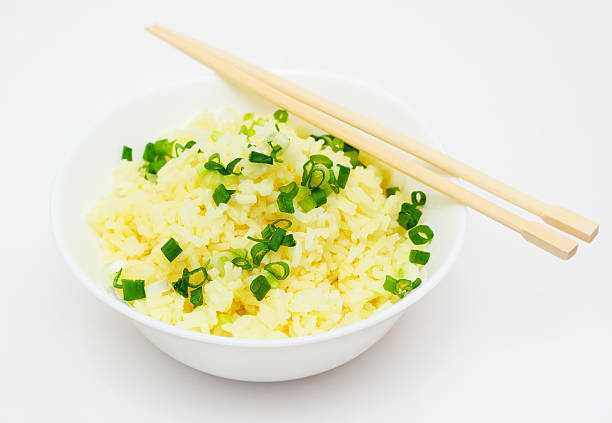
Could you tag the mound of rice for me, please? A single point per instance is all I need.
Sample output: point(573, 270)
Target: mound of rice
point(344, 248)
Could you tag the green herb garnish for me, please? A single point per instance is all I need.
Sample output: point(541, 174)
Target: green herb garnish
point(171, 249)
point(400, 287)
point(133, 289)
point(214, 164)
point(419, 257)
point(260, 287)
point(409, 216)
point(420, 235)
point(196, 298)
point(126, 154)
point(222, 194)
point(317, 198)
point(278, 269)
point(247, 116)
point(391, 191)
point(257, 157)
point(281, 116)
point(286, 196)
point(418, 198)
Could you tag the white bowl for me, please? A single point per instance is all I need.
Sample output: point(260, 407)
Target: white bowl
point(86, 173)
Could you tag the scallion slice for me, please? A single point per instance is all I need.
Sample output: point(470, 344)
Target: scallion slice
point(171, 249)
point(276, 239)
point(324, 160)
point(418, 198)
point(289, 241)
point(281, 116)
point(189, 273)
point(214, 163)
point(278, 269)
point(317, 198)
point(419, 257)
point(181, 287)
point(306, 169)
point(420, 235)
point(126, 154)
point(196, 298)
point(222, 194)
point(242, 262)
point(258, 251)
point(409, 216)
point(343, 175)
point(391, 191)
point(400, 287)
point(116, 280)
point(286, 196)
point(257, 157)
point(282, 223)
point(260, 287)
point(133, 289)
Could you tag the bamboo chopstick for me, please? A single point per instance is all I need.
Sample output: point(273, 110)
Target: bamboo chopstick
point(557, 216)
point(534, 232)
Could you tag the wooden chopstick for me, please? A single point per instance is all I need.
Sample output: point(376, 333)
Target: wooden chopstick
point(557, 216)
point(534, 232)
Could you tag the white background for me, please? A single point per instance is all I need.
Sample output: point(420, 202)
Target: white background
point(519, 89)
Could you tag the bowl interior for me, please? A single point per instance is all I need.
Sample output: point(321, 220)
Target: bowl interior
point(87, 170)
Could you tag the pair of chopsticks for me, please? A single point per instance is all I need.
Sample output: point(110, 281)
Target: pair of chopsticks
point(327, 115)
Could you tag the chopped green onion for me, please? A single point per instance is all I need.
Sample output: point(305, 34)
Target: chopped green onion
point(187, 146)
point(400, 287)
point(116, 280)
point(420, 235)
point(276, 149)
point(409, 216)
point(286, 223)
point(196, 297)
point(156, 165)
point(317, 198)
point(247, 116)
point(273, 269)
point(286, 196)
point(260, 287)
point(258, 251)
point(231, 165)
point(126, 154)
point(267, 232)
point(133, 289)
point(276, 239)
point(171, 249)
point(257, 157)
point(324, 160)
point(343, 174)
point(418, 198)
point(189, 273)
point(149, 152)
point(307, 169)
point(181, 287)
point(281, 116)
point(214, 163)
point(419, 257)
point(289, 241)
point(391, 191)
point(222, 194)
point(242, 262)
point(316, 178)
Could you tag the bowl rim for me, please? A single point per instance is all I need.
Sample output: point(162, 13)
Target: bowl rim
point(152, 323)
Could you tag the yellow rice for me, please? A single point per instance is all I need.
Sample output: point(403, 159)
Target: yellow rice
point(344, 249)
